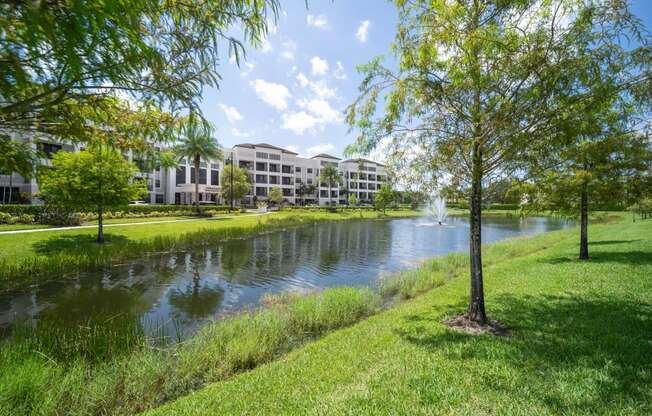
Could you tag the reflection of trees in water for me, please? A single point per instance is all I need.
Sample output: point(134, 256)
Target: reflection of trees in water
point(234, 256)
point(196, 300)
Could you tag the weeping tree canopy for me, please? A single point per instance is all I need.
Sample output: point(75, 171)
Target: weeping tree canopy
point(479, 85)
point(59, 59)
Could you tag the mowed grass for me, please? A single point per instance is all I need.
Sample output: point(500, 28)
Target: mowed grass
point(31, 258)
point(580, 343)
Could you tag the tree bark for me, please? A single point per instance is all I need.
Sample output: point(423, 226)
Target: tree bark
point(100, 227)
point(476, 311)
point(584, 224)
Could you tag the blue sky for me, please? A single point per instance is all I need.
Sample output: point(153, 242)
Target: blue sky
point(292, 91)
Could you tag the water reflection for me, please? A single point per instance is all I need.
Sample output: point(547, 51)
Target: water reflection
point(173, 293)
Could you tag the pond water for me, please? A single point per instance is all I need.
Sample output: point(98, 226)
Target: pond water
point(173, 294)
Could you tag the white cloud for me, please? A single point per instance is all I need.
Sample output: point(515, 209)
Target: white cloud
point(293, 148)
point(232, 114)
point(320, 148)
point(266, 46)
point(319, 21)
point(339, 71)
point(298, 122)
point(363, 31)
point(248, 67)
point(321, 109)
point(271, 93)
point(289, 49)
point(238, 133)
point(319, 88)
point(319, 65)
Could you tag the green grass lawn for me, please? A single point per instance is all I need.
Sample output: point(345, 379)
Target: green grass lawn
point(580, 343)
point(16, 227)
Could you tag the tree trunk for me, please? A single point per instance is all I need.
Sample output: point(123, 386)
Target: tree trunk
point(476, 311)
point(584, 224)
point(100, 227)
point(11, 185)
point(197, 162)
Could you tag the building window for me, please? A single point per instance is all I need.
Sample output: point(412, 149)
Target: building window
point(158, 183)
point(273, 180)
point(286, 169)
point(323, 194)
point(261, 155)
point(181, 175)
point(49, 149)
point(288, 192)
point(202, 176)
point(297, 169)
point(261, 191)
point(261, 179)
point(309, 171)
point(272, 156)
point(261, 166)
point(160, 199)
point(215, 177)
point(286, 180)
point(273, 167)
point(309, 181)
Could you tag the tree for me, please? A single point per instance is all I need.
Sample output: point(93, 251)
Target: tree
point(17, 157)
point(330, 176)
point(595, 172)
point(275, 195)
point(97, 179)
point(59, 57)
point(475, 86)
point(235, 183)
point(197, 143)
point(384, 198)
point(353, 200)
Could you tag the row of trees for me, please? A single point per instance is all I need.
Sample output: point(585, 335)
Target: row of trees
point(551, 92)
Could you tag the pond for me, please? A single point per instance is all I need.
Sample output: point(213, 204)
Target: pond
point(174, 293)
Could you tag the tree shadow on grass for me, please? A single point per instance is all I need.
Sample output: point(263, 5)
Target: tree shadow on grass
point(609, 242)
point(75, 243)
point(574, 355)
point(637, 258)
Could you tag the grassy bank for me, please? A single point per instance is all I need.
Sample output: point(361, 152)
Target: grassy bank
point(66, 375)
point(31, 258)
point(580, 343)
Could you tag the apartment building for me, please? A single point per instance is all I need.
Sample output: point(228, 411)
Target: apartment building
point(268, 167)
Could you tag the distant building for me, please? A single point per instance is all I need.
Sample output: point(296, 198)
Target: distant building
point(268, 167)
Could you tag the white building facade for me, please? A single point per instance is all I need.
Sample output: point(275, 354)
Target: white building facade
point(268, 167)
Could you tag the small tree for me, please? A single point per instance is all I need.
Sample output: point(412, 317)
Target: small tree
point(353, 200)
point(95, 179)
point(16, 157)
point(384, 198)
point(331, 177)
point(275, 195)
point(235, 183)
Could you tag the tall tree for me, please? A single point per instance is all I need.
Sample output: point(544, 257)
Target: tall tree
point(196, 142)
point(474, 89)
point(330, 176)
point(59, 56)
point(235, 183)
point(275, 195)
point(97, 179)
point(384, 197)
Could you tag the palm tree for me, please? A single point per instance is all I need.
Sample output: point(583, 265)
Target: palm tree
point(330, 175)
point(197, 143)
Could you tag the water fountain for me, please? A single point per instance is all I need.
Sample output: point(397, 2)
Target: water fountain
point(436, 209)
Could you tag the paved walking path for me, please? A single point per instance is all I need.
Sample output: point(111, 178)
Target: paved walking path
point(79, 227)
